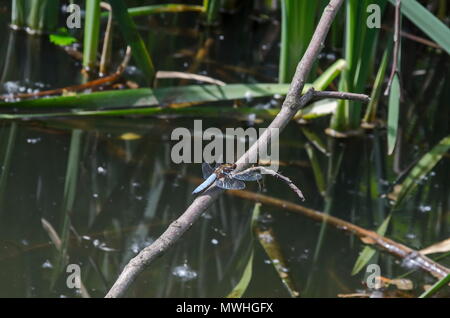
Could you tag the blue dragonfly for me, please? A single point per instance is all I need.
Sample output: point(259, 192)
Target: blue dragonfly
point(223, 177)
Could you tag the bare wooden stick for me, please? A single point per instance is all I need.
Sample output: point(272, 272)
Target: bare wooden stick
point(341, 95)
point(293, 102)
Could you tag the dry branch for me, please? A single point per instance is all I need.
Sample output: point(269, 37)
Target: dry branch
point(293, 102)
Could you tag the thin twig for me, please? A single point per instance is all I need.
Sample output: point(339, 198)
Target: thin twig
point(291, 105)
point(277, 175)
point(107, 40)
point(189, 76)
point(395, 69)
point(75, 88)
point(341, 95)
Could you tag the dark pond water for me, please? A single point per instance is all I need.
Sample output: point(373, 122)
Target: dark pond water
point(110, 183)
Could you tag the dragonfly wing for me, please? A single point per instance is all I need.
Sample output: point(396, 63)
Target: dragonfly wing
point(248, 176)
point(207, 170)
point(230, 184)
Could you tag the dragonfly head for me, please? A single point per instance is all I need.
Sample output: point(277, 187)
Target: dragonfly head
point(225, 169)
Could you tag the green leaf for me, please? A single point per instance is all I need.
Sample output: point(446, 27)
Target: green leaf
point(132, 100)
point(319, 109)
point(62, 37)
point(394, 113)
point(132, 37)
point(273, 250)
point(91, 33)
point(241, 287)
point(427, 22)
point(329, 75)
point(377, 86)
point(243, 283)
point(368, 252)
point(423, 167)
point(436, 287)
point(317, 169)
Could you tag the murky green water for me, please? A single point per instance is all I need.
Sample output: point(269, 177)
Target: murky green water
point(110, 183)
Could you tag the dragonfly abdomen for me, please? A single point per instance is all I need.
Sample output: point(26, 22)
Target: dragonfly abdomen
point(210, 180)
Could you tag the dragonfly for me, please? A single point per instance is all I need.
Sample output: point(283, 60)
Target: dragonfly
point(222, 175)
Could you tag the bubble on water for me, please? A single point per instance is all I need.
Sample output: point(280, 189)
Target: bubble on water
point(101, 170)
point(47, 264)
point(411, 236)
point(184, 273)
point(214, 242)
point(95, 195)
point(267, 261)
point(207, 216)
point(424, 208)
point(221, 37)
point(304, 256)
point(139, 244)
point(33, 141)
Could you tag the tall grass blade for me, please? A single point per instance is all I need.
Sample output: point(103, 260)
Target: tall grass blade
point(329, 75)
point(91, 34)
point(368, 252)
point(377, 88)
point(422, 168)
point(134, 40)
point(6, 161)
point(436, 287)
point(243, 283)
point(317, 169)
point(70, 186)
point(211, 7)
point(298, 22)
point(18, 13)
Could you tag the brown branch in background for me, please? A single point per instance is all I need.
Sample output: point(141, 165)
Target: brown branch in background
point(414, 38)
point(277, 175)
point(293, 102)
point(187, 76)
point(75, 88)
point(411, 258)
point(202, 53)
point(395, 69)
